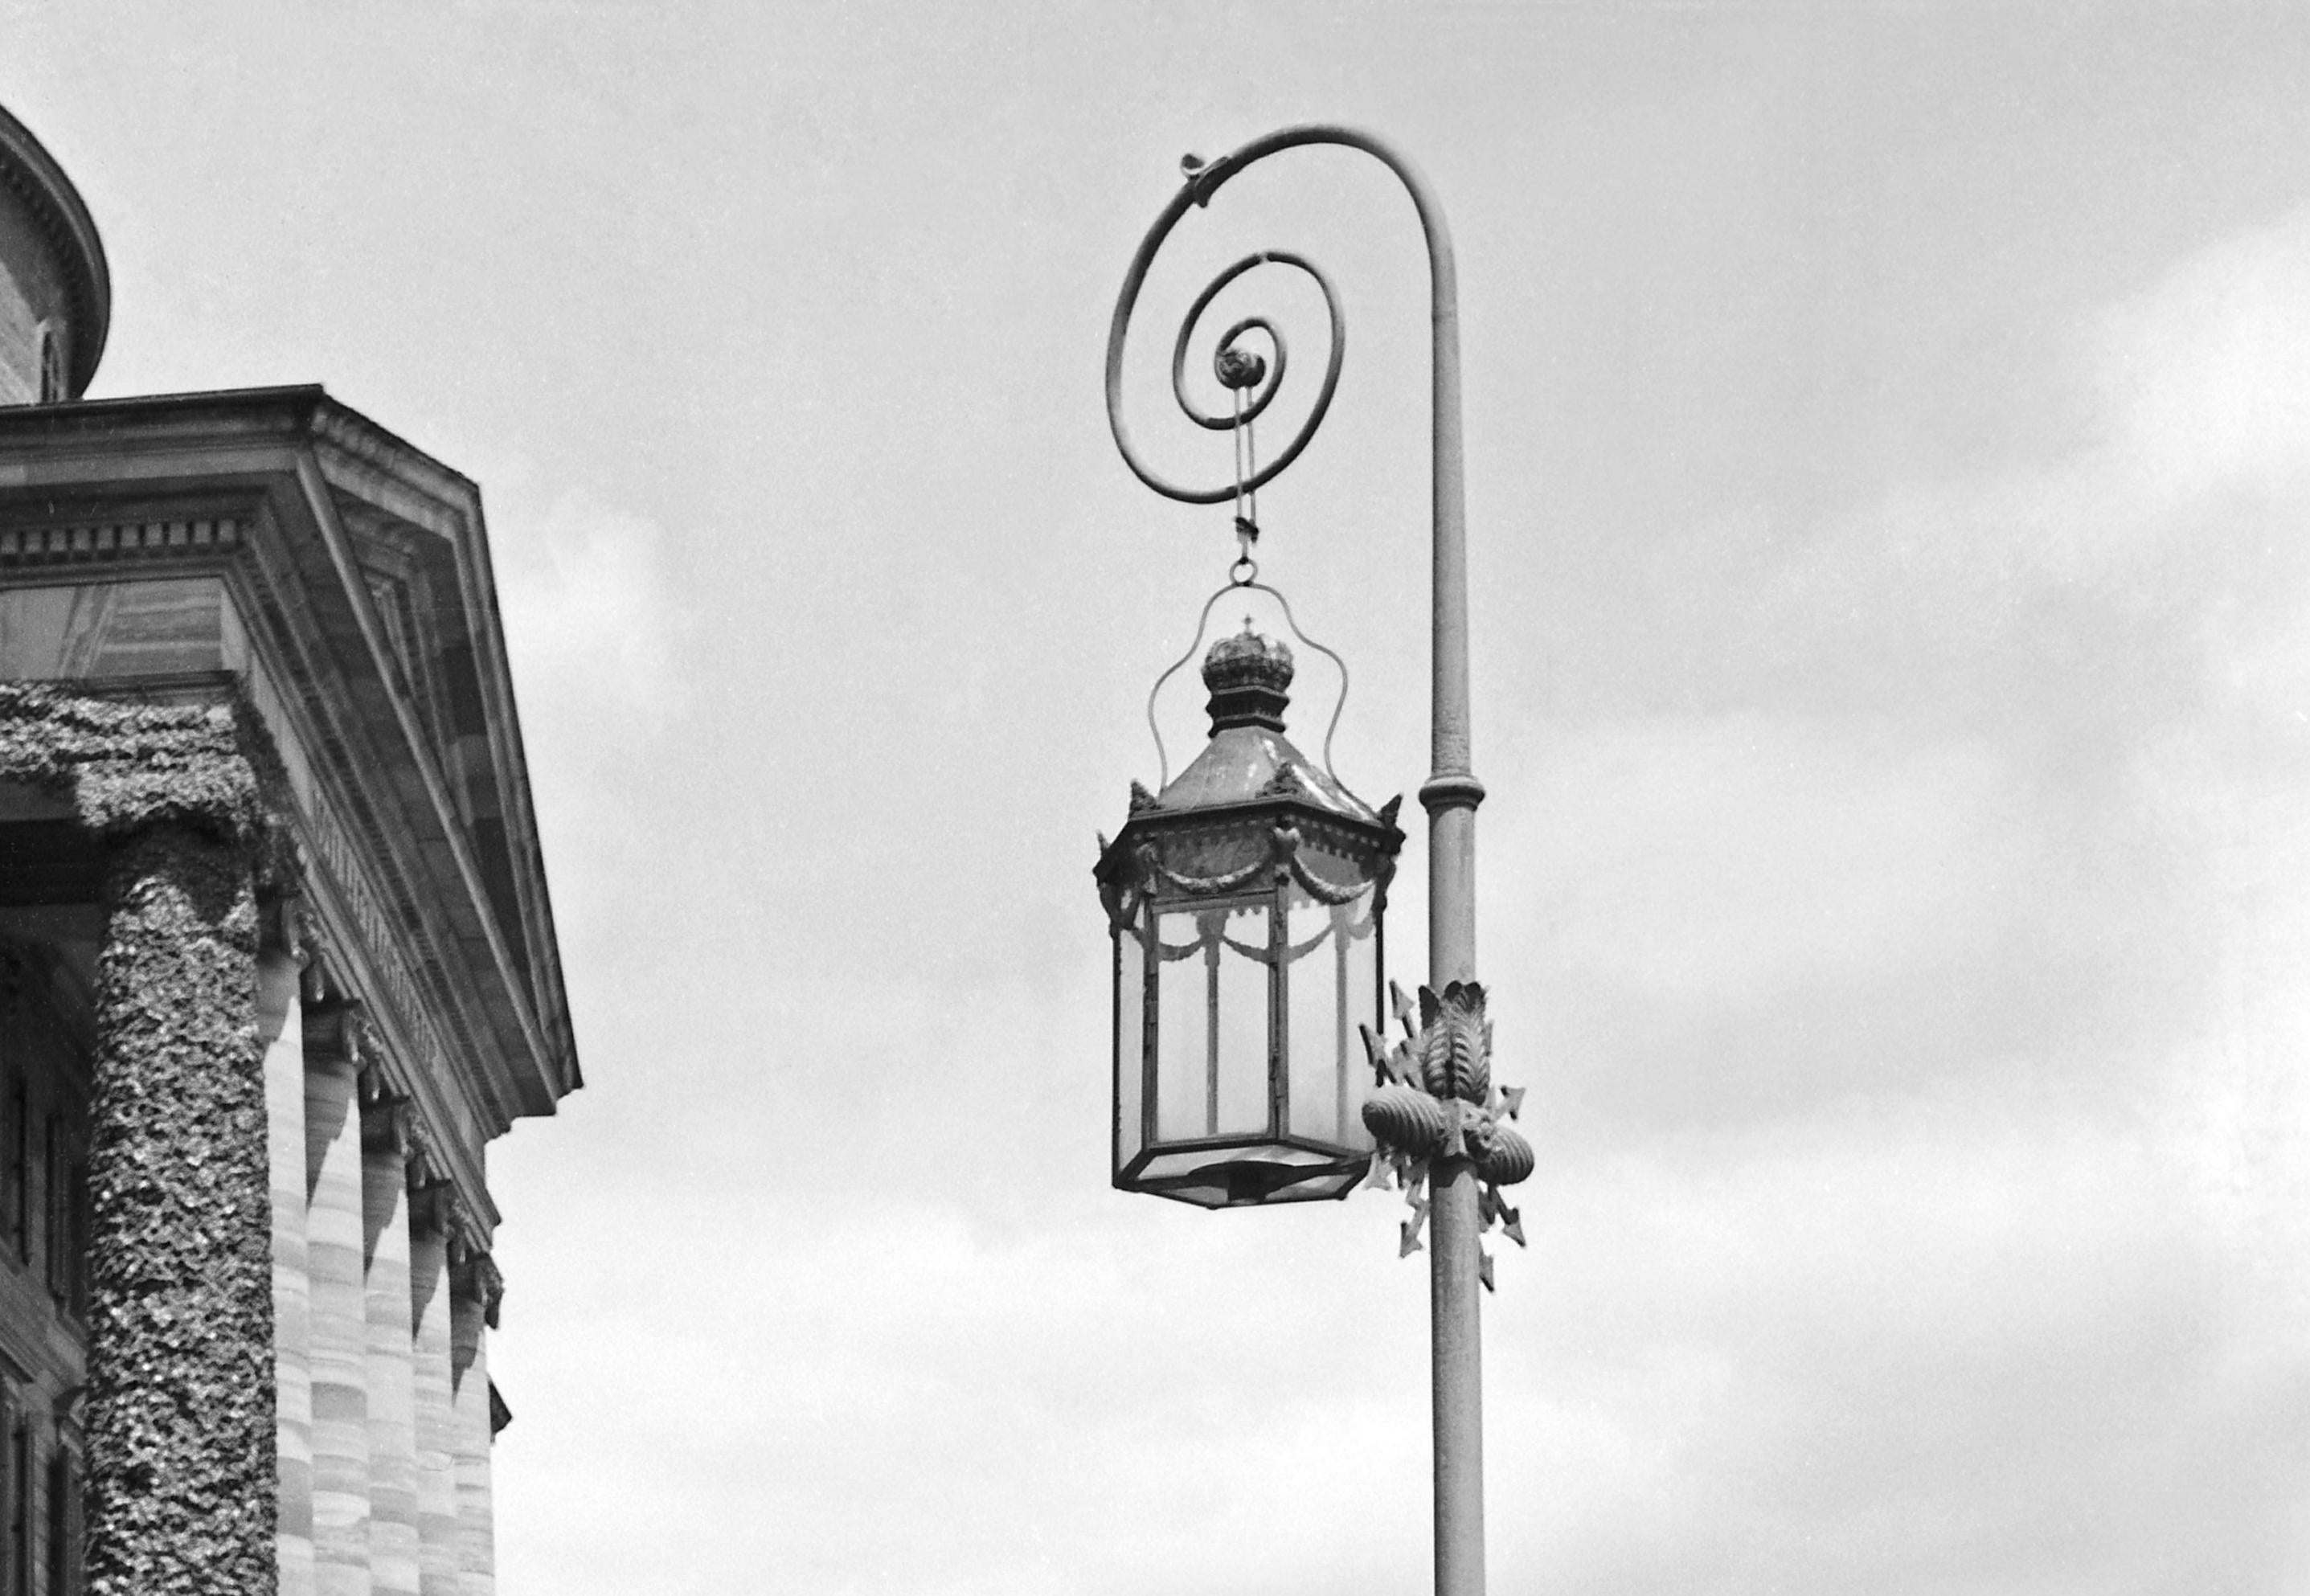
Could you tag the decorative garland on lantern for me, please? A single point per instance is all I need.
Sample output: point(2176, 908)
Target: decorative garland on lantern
point(1436, 1099)
point(1282, 863)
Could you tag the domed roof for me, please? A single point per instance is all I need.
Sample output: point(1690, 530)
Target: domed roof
point(1248, 757)
point(31, 173)
point(1250, 680)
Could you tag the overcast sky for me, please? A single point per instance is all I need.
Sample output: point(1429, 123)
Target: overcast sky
point(1889, 471)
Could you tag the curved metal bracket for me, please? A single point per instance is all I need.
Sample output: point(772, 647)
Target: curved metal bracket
point(1449, 734)
point(1203, 625)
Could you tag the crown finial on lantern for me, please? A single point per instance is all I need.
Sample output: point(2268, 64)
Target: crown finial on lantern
point(1250, 681)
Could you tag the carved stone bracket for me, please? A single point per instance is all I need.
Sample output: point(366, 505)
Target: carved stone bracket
point(337, 1031)
point(1436, 1101)
point(432, 1206)
point(472, 1275)
point(392, 1119)
point(421, 1153)
point(283, 924)
point(386, 1115)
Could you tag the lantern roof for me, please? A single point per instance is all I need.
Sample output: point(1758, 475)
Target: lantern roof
point(1248, 757)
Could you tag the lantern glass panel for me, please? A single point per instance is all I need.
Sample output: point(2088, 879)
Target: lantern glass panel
point(1130, 1039)
point(1311, 983)
point(1182, 1026)
point(1212, 1023)
point(1332, 984)
point(1362, 998)
point(1246, 1049)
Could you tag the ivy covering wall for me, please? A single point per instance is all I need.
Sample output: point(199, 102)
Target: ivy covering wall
point(182, 1483)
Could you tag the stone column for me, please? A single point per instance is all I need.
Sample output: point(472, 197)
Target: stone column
point(437, 1432)
point(182, 1467)
point(393, 1532)
point(333, 1241)
point(469, 1364)
point(279, 1028)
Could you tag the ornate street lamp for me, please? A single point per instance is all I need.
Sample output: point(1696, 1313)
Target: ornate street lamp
point(1245, 898)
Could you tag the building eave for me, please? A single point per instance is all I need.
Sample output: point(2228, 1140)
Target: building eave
point(304, 458)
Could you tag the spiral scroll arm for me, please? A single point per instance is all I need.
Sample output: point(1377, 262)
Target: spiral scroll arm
point(1204, 180)
point(1232, 359)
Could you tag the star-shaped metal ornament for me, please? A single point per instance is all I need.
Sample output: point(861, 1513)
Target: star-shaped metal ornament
point(1405, 1008)
point(1434, 1098)
point(1415, 1198)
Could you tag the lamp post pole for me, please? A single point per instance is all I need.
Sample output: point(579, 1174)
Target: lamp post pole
point(1450, 794)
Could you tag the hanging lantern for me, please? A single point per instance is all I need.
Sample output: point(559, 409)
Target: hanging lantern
point(1245, 901)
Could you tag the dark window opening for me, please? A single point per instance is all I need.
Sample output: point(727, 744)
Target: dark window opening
point(19, 1504)
point(57, 1194)
point(63, 1558)
point(52, 368)
point(76, 1235)
point(18, 1173)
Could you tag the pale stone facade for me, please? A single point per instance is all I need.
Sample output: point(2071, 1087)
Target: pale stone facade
point(277, 962)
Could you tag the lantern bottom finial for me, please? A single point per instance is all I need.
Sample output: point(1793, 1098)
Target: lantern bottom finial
point(1246, 1176)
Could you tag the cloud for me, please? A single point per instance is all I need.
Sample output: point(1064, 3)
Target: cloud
point(2208, 371)
point(1910, 1355)
point(1729, 855)
point(913, 1402)
point(592, 618)
point(590, 613)
point(1749, 914)
point(2180, 501)
point(1925, 1012)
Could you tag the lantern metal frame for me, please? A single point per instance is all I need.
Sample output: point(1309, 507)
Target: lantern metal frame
point(1141, 884)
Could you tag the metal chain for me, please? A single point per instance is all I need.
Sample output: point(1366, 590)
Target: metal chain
point(1245, 569)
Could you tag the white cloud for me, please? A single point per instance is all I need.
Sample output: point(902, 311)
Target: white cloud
point(590, 614)
point(1916, 1352)
point(2210, 367)
point(1727, 857)
point(1942, 973)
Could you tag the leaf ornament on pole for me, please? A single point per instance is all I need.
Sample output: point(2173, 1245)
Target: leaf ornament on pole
point(1435, 1099)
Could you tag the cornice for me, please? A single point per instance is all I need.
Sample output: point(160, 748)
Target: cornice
point(395, 463)
point(271, 463)
point(418, 740)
